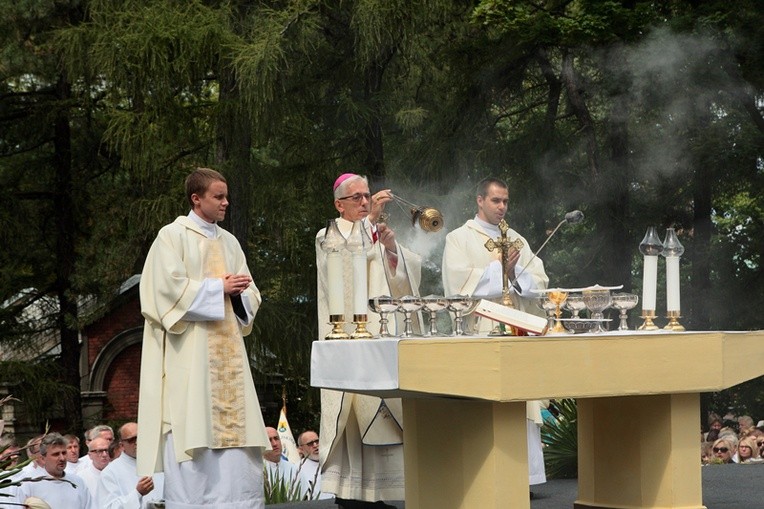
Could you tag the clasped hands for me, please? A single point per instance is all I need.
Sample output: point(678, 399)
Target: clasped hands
point(235, 284)
point(509, 267)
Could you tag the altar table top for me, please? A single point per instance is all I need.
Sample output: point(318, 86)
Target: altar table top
point(540, 367)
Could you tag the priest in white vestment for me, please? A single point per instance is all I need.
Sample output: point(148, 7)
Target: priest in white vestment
point(469, 268)
point(198, 412)
point(120, 486)
point(362, 436)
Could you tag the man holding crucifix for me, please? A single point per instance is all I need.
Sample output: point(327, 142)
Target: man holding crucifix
point(482, 260)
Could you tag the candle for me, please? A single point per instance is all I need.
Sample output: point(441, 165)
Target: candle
point(333, 244)
point(672, 250)
point(651, 246)
point(334, 280)
point(357, 244)
point(360, 287)
point(672, 283)
point(649, 283)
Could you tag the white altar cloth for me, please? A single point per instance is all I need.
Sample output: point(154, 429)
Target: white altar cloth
point(333, 363)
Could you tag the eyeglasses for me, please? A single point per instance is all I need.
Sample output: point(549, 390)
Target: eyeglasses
point(760, 443)
point(311, 443)
point(130, 440)
point(745, 446)
point(99, 451)
point(721, 449)
point(357, 197)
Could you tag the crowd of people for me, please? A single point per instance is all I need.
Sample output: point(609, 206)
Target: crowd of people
point(732, 440)
point(105, 476)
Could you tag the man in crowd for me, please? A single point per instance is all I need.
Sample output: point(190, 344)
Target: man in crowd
point(72, 453)
point(98, 451)
point(10, 451)
point(101, 431)
point(362, 457)
point(198, 412)
point(120, 486)
point(310, 470)
point(36, 467)
point(469, 268)
point(64, 491)
point(277, 467)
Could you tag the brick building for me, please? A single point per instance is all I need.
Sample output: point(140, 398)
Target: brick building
point(111, 359)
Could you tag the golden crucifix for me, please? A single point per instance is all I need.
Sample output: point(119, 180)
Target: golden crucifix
point(504, 245)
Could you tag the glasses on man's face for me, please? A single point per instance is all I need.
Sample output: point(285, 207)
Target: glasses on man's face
point(311, 443)
point(760, 443)
point(721, 449)
point(130, 440)
point(99, 451)
point(357, 197)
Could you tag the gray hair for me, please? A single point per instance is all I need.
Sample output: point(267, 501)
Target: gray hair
point(342, 189)
point(52, 439)
point(97, 430)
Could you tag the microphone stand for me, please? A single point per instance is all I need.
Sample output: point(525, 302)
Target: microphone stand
point(570, 217)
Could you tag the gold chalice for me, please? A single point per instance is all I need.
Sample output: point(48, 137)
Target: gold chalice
point(557, 297)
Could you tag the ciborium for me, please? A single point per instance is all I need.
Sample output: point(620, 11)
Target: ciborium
point(623, 302)
point(409, 304)
point(459, 304)
point(597, 300)
point(432, 304)
point(384, 305)
point(575, 304)
point(548, 306)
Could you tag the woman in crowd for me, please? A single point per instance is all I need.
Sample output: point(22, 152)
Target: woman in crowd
point(748, 451)
point(723, 451)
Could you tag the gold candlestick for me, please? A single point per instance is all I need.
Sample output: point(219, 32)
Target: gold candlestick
point(337, 321)
point(674, 325)
point(647, 317)
point(360, 332)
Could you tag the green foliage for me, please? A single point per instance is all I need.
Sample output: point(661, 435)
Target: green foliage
point(278, 489)
point(629, 111)
point(561, 441)
point(42, 392)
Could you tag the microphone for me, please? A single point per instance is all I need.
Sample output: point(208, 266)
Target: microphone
point(572, 217)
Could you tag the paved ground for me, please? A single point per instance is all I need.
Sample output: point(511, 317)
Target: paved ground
point(724, 487)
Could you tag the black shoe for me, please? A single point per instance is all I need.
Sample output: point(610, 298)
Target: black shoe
point(344, 503)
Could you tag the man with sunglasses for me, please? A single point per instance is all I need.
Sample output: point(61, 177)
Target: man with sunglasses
point(310, 467)
point(120, 487)
point(362, 438)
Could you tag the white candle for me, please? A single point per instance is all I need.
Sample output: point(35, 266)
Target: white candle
point(672, 283)
point(334, 280)
point(360, 287)
point(649, 282)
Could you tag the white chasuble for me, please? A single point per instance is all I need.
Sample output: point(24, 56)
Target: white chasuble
point(195, 377)
point(361, 436)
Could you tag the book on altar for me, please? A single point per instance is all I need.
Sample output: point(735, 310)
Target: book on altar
point(524, 321)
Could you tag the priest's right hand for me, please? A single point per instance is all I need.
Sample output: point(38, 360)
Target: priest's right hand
point(235, 284)
point(512, 257)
